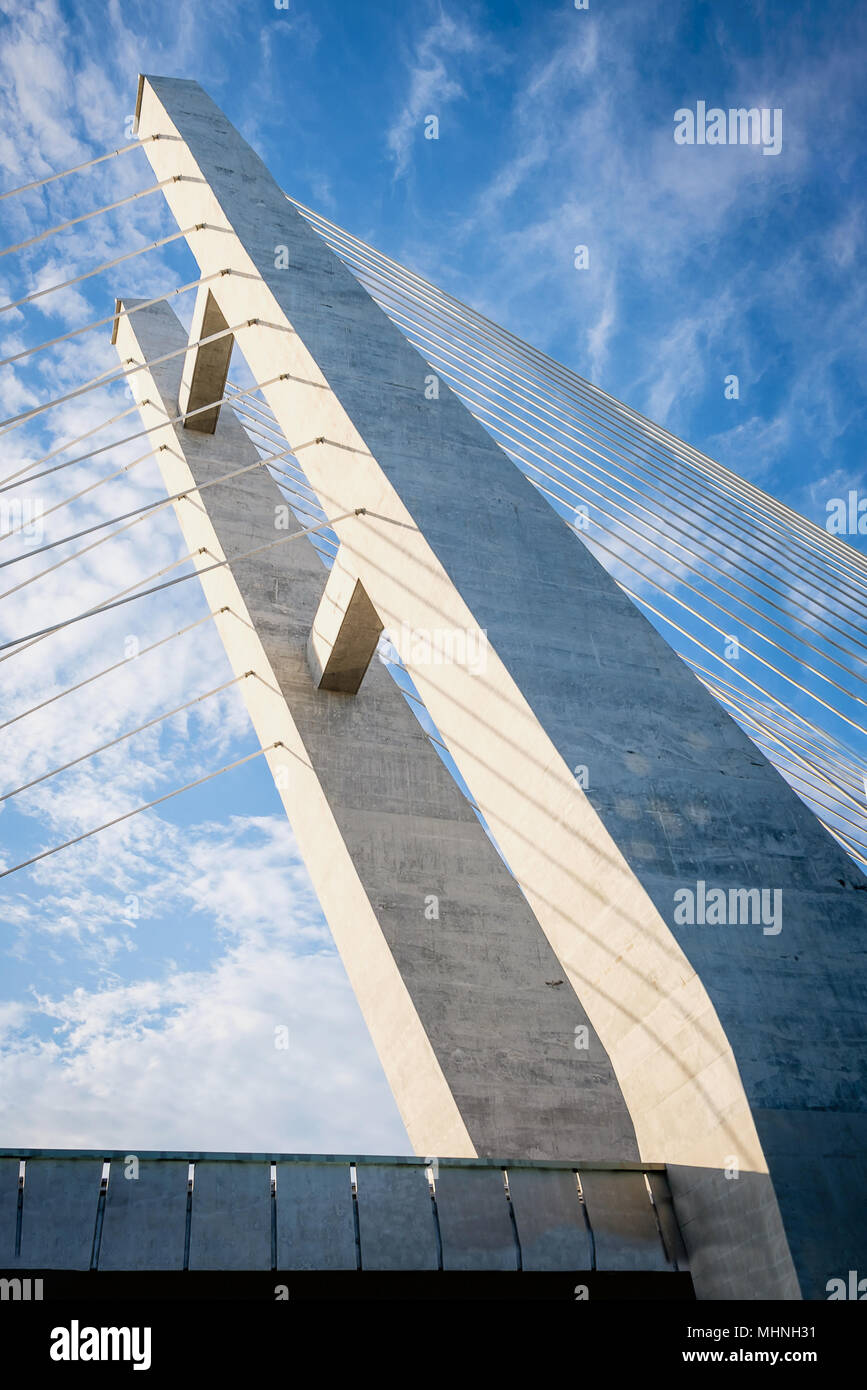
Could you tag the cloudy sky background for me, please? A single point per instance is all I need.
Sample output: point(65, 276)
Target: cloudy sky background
point(144, 972)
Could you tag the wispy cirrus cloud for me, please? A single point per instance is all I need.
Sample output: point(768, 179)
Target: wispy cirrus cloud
point(432, 83)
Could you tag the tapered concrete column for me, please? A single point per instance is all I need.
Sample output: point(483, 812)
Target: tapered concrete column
point(455, 539)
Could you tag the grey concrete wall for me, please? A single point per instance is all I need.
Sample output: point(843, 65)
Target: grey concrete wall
point(723, 1040)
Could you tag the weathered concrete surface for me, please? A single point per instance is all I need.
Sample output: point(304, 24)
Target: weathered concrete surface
point(59, 1216)
point(551, 1225)
point(315, 1225)
point(395, 1218)
point(145, 1216)
point(721, 1039)
point(230, 1226)
point(623, 1221)
point(475, 1224)
point(476, 1039)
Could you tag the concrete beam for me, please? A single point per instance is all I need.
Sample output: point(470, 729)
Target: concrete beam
point(344, 634)
point(206, 365)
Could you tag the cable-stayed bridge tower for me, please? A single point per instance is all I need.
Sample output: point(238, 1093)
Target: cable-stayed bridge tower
point(587, 918)
point(722, 1047)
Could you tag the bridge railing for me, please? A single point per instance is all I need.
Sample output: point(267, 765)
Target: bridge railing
point(80, 1210)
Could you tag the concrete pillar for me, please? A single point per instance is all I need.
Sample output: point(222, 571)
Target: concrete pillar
point(730, 1045)
point(469, 1010)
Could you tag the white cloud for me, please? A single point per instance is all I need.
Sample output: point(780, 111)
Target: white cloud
point(188, 1059)
point(431, 83)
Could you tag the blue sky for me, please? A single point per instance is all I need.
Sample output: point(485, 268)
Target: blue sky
point(555, 129)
